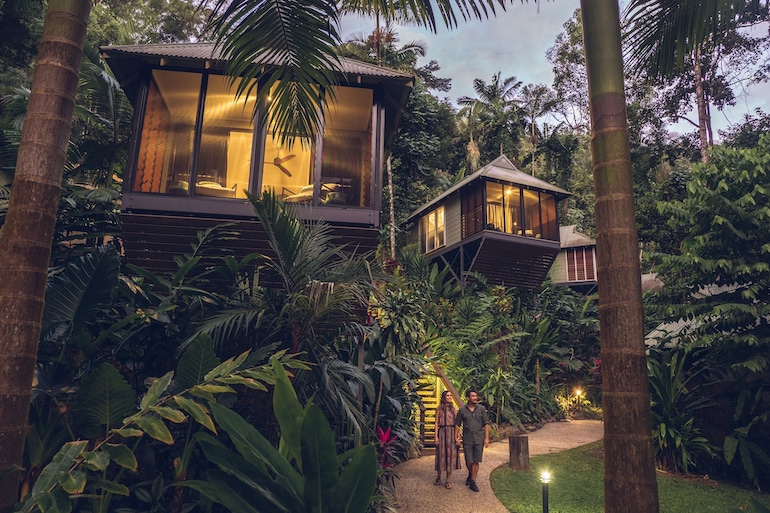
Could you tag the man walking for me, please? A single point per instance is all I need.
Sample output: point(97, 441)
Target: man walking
point(475, 421)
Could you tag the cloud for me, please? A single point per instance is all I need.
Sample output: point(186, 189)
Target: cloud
point(514, 43)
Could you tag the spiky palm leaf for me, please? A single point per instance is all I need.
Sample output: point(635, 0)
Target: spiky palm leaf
point(79, 291)
point(288, 46)
point(661, 34)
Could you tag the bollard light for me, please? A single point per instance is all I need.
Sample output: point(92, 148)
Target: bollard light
point(545, 478)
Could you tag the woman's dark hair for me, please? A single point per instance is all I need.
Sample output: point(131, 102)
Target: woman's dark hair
point(442, 403)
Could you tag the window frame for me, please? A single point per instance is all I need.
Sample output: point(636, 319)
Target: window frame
point(237, 207)
point(433, 234)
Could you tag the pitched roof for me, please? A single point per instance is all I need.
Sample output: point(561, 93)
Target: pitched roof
point(209, 52)
point(128, 62)
point(570, 237)
point(501, 169)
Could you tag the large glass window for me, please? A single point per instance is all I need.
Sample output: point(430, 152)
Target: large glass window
point(503, 208)
point(550, 226)
point(166, 145)
point(433, 230)
point(531, 209)
point(288, 170)
point(472, 209)
point(346, 160)
point(211, 156)
point(224, 160)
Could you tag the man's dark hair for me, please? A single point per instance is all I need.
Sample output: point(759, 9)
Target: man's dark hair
point(469, 392)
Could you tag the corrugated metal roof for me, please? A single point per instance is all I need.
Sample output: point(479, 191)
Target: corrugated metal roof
point(499, 169)
point(208, 51)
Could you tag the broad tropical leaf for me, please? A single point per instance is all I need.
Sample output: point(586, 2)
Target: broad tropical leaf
point(319, 460)
point(253, 477)
point(197, 360)
point(103, 401)
point(289, 413)
point(356, 483)
point(45, 492)
point(156, 390)
point(255, 448)
point(122, 455)
point(155, 427)
point(197, 412)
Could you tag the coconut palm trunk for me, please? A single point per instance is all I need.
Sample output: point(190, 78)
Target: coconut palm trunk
point(25, 246)
point(629, 475)
point(703, 118)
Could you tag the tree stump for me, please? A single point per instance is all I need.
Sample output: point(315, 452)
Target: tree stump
point(518, 452)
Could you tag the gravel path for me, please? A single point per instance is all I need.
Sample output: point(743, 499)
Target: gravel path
point(416, 493)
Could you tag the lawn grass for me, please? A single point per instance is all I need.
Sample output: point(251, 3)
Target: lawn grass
point(577, 486)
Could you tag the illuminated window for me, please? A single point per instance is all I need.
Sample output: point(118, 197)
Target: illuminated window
point(210, 155)
point(224, 160)
point(503, 208)
point(288, 171)
point(346, 162)
point(433, 230)
point(167, 145)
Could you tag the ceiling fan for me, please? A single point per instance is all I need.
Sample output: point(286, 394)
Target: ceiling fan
point(278, 162)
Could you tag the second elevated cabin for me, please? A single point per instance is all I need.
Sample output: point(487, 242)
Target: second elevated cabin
point(498, 222)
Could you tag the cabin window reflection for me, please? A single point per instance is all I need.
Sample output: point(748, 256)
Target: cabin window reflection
point(224, 160)
point(166, 144)
point(472, 209)
point(503, 208)
point(288, 169)
point(433, 230)
point(346, 159)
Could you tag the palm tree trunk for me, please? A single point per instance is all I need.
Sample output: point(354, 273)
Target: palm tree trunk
point(702, 114)
point(25, 247)
point(392, 212)
point(625, 399)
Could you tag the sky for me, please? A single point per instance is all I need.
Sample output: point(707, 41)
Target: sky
point(515, 44)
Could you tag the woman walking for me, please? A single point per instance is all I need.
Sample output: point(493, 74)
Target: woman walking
point(447, 455)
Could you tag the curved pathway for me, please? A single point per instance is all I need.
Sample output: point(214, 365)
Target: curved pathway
point(416, 493)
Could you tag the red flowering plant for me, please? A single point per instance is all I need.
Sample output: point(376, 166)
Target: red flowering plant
point(388, 450)
point(387, 447)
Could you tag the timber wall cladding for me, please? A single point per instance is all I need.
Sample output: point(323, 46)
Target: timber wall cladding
point(151, 241)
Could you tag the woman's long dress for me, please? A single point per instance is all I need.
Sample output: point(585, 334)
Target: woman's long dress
point(447, 456)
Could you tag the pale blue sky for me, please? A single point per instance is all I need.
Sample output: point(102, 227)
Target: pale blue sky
point(515, 43)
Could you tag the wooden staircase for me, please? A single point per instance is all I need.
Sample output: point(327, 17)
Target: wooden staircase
point(430, 391)
point(432, 385)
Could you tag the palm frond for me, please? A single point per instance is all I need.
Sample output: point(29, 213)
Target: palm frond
point(296, 39)
point(661, 34)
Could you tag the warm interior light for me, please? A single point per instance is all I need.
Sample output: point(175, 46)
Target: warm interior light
point(545, 476)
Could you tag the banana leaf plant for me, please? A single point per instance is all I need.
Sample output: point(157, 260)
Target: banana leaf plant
point(95, 469)
point(304, 475)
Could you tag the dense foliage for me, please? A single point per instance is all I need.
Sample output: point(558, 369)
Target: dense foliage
point(715, 304)
point(114, 333)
